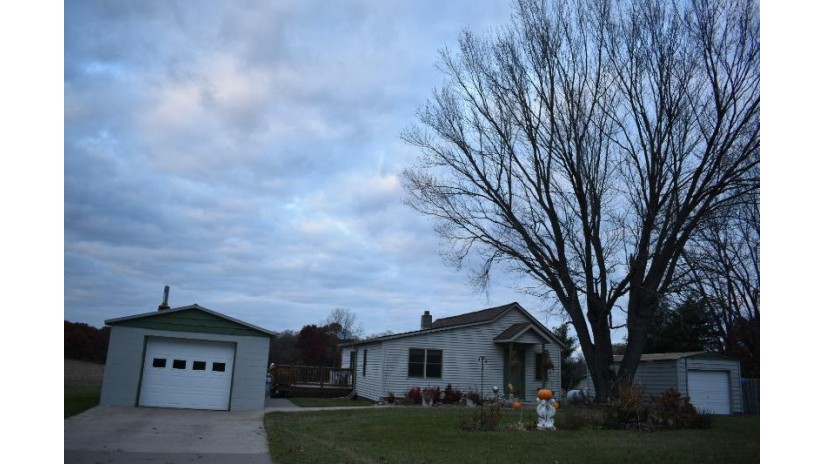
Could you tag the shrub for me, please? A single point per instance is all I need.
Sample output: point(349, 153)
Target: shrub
point(434, 391)
point(580, 417)
point(485, 419)
point(413, 395)
point(628, 410)
point(452, 395)
point(671, 410)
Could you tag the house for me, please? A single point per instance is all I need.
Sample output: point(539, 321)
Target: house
point(712, 381)
point(188, 357)
point(473, 351)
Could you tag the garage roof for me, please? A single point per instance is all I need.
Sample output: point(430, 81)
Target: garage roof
point(192, 318)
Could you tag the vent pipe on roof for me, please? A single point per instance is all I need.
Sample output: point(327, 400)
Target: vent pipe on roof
point(426, 321)
point(165, 305)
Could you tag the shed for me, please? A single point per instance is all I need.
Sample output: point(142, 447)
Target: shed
point(712, 381)
point(189, 357)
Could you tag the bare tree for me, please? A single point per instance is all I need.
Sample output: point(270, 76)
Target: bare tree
point(584, 144)
point(723, 268)
point(348, 321)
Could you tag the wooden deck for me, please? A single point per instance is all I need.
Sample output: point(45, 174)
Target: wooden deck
point(310, 381)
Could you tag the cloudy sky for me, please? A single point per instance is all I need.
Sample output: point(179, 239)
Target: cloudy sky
point(247, 154)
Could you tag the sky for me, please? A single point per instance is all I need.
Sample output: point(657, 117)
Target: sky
point(247, 154)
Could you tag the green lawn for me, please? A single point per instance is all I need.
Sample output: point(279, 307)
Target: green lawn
point(328, 402)
point(432, 435)
point(79, 399)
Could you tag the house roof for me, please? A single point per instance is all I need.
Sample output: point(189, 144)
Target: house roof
point(473, 318)
point(483, 315)
point(173, 311)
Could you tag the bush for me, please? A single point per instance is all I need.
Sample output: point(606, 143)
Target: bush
point(580, 417)
point(413, 395)
point(671, 410)
point(434, 391)
point(452, 395)
point(485, 419)
point(628, 410)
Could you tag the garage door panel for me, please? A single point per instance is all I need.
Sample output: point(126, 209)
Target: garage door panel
point(197, 383)
point(709, 391)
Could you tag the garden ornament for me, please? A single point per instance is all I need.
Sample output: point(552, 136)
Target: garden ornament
point(546, 410)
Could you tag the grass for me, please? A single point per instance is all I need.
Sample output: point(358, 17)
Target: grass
point(432, 435)
point(79, 399)
point(328, 402)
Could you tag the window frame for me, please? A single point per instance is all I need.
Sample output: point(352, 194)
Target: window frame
point(426, 364)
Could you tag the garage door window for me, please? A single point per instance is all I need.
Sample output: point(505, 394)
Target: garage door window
point(179, 364)
point(159, 362)
point(198, 365)
point(218, 367)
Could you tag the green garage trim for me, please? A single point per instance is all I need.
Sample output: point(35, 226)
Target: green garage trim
point(190, 319)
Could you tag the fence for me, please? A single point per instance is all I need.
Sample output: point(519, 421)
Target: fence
point(750, 396)
point(310, 380)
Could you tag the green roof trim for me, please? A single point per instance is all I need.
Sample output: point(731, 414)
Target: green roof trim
point(192, 318)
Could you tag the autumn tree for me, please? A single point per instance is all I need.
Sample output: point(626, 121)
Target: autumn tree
point(583, 145)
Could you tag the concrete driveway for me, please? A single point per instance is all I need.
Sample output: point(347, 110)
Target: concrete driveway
point(107, 434)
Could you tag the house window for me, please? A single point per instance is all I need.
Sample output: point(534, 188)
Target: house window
point(424, 363)
point(199, 365)
point(179, 364)
point(541, 372)
point(159, 362)
point(218, 367)
point(364, 366)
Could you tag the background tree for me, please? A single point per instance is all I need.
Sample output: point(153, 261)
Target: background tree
point(317, 345)
point(348, 321)
point(84, 342)
point(584, 145)
point(723, 269)
point(568, 360)
point(686, 327)
point(283, 348)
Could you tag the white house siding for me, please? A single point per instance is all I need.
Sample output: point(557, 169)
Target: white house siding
point(121, 377)
point(461, 348)
point(368, 384)
point(734, 377)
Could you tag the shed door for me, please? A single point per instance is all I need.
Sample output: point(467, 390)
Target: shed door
point(709, 391)
point(190, 374)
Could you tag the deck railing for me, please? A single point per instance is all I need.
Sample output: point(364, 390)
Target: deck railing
point(287, 376)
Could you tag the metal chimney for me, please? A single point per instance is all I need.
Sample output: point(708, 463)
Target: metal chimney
point(165, 305)
point(426, 321)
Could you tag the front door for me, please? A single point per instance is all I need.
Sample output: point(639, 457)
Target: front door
point(514, 359)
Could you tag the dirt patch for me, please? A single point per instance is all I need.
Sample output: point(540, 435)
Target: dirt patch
point(82, 373)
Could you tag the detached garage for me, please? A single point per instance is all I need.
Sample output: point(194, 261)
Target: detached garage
point(712, 381)
point(189, 357)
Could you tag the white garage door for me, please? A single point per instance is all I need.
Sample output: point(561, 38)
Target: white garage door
point(709, 391)
point(187, 374)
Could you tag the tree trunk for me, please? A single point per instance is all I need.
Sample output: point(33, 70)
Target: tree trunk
point(641, 303)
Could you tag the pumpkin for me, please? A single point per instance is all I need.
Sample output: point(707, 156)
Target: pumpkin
point(516, 405)
point(545, 394)
point(556, 405)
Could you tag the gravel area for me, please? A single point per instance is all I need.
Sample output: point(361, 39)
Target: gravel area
point(82, 373)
